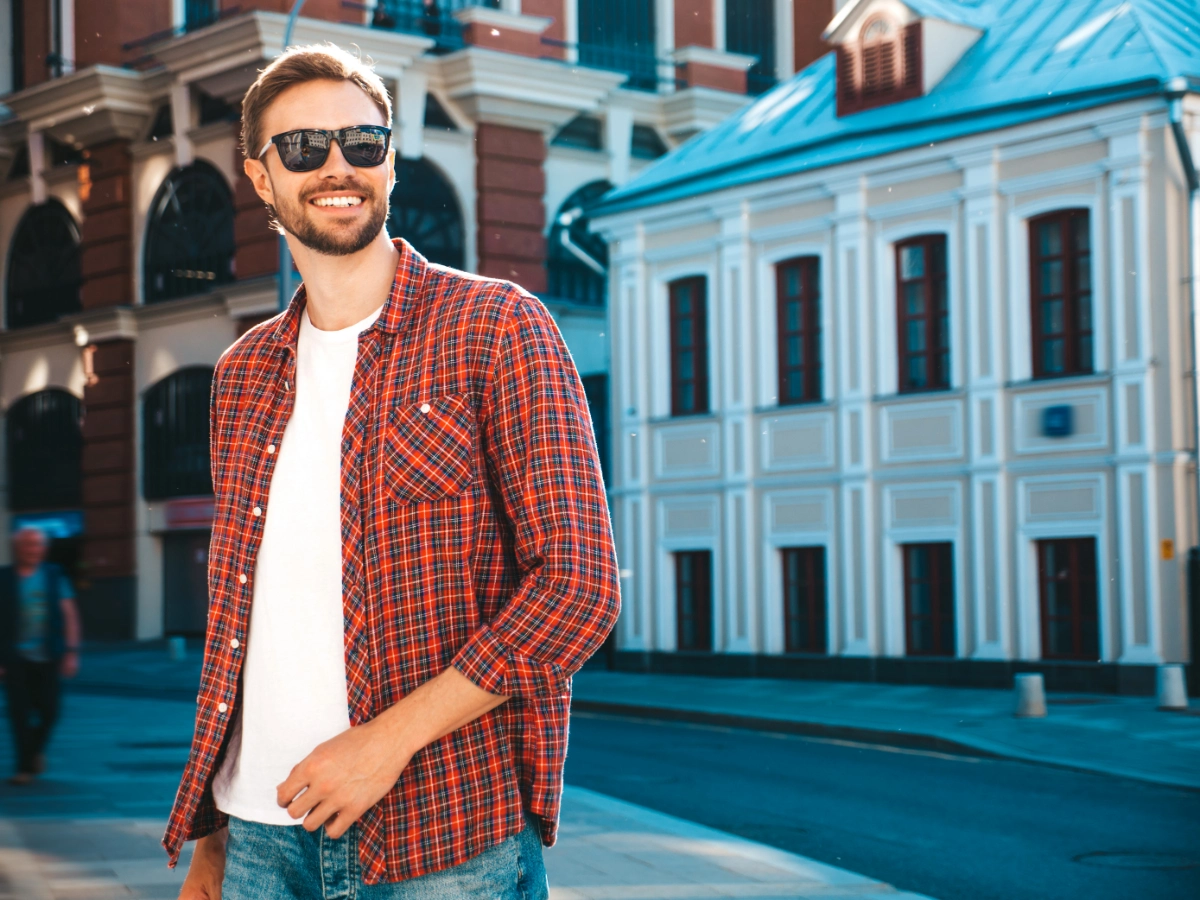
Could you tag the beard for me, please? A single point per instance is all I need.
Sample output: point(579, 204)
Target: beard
point(334, 239)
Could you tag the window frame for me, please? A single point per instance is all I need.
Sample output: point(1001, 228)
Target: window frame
point(699, 347)
point(810, 331)
point(942, 599)
point(702, 613)
point(815, 601)
point(938, 374)
point(1077, 587)
point(1070, 295)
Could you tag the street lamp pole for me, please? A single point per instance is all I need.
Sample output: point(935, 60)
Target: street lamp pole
point(285, 252)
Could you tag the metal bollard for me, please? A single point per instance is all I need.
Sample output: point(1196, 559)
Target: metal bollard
point(177, 647)
point(1172, 693)
point(1031, 696)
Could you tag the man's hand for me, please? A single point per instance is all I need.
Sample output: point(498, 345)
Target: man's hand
point(346, 776)
point(69, 666)
point(207, 869)
point(343, 778)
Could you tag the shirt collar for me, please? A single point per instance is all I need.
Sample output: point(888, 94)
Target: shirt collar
point(408, 287)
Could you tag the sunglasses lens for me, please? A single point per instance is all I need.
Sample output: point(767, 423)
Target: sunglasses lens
point(365, 146)
point(303, 151)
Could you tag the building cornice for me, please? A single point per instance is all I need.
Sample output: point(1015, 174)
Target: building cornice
point(97, 104)
point(507, 89)
point(697, 109)
point(224, 58)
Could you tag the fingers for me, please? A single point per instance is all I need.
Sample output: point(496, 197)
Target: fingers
point(326, 811)
point(286, 793)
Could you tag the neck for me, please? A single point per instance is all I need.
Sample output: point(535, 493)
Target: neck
point(342, 290)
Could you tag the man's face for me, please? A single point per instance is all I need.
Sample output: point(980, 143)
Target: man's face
point(295, 197)
point(30, 548)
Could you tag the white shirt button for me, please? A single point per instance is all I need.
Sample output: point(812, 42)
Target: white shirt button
point(234, 644)
point(425, 407)
point(221, 707)
point(242, 578)
point(270, 448)
point(257, 510)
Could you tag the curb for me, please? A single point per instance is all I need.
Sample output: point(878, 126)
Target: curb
point(906, 739)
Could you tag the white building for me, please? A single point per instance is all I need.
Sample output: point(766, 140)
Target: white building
point(902, 368)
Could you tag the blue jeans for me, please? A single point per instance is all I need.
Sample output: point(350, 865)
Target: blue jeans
point(285, 862)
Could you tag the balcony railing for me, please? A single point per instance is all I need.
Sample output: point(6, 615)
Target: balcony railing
point(432, 18)
point(646, 71)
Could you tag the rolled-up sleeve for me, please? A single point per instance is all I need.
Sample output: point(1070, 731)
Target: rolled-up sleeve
point(541, 454)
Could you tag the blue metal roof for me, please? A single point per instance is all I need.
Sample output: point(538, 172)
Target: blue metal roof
point(1035, 59)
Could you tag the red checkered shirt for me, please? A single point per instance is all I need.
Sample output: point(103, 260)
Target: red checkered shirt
point(475, 534)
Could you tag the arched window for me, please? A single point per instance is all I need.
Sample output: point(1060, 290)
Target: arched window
point(45, 451)
point(175, 435)
point(43, 266)
point(424, 211)
point(577, 259)
point(189, 235)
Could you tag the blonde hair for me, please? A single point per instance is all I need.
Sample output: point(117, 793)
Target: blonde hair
point(297, 65)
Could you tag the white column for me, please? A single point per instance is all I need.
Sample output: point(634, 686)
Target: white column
point(855, 339)
point(410, 92)
point(37, 167)
point(181, 123)
point(1130, 232)
point(618, 140)
point(734, 339)
point(986, 503)
point(718, 14)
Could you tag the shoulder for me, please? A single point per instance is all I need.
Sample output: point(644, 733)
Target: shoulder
point(462, 296)
point(249, 352)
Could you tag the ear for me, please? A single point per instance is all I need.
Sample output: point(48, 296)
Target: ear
point(256, 171)
point(391, 164)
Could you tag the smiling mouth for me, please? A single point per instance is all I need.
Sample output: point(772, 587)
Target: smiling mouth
point(336, 202)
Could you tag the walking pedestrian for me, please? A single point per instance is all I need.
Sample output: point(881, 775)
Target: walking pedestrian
point(39, 644)
point(411, 550)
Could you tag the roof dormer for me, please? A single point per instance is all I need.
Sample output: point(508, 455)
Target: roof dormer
point(893, 50)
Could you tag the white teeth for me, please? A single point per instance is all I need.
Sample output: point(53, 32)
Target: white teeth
point(338, 201)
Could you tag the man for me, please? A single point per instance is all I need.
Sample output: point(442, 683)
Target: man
point(39, 643)
point(411, 548)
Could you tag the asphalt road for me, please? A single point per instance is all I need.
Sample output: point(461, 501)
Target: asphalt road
point(949, 827)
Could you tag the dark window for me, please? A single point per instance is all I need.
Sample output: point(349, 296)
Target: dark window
point(646, 143)
point(798, 323)
point(929, 599)
point(584, 132)
point(189, 236)
point(432, 18)
point(63, 154)
point(750, 29)
point(576, 257)
point(883, 66)
point(922, 314)
point(44, 441)
point(693, 600)
point(1060, 273)
point(198, 13)
point(619, 35)
point(689, 347)
point(436, 115)
point(18, 44)
point(213, 109)
point(175, 435)
point(424, 211)
point(163, 125)
point(1067, 589)
point(595, 389)
point(20, 163)
point(43, 267)
point(804, 599)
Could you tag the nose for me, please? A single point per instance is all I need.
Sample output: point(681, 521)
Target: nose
point(335, 163)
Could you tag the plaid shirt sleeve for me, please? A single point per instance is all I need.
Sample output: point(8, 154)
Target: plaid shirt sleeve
point(541, 456)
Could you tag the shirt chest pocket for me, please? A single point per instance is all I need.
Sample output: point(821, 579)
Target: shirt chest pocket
point(427, 448)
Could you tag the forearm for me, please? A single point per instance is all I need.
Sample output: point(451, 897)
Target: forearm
point(72, 630)
point(435, 709)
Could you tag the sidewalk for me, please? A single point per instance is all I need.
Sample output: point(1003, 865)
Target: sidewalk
point(1113, 735)
point(1123, 736)
point(90, 829)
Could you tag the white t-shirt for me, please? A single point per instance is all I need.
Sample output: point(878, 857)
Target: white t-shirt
point(294, 674)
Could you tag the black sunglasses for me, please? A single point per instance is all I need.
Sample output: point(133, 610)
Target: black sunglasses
point(307, 149)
